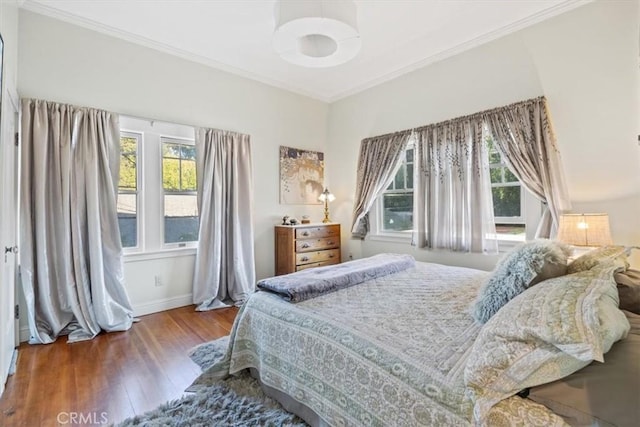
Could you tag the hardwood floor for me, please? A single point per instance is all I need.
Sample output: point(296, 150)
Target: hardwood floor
point(113, 376)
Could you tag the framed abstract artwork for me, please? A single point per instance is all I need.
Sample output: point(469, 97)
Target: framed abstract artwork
point(301, 176)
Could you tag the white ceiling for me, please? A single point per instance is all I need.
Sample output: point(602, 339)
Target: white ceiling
point(398, 36)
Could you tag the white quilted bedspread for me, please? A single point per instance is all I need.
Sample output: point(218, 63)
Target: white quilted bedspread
point(388, 352)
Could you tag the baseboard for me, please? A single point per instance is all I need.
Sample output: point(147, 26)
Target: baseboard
point(162, 305)
point(25, 334)
point(138, 310)
point(14, 361)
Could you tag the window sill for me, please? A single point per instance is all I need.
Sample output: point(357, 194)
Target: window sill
point(504, 245)
point(391, 238)
point(167, 253)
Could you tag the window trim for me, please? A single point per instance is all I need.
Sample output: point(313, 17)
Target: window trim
point(378, 232)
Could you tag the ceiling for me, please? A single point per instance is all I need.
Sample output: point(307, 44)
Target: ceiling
point(398, 36)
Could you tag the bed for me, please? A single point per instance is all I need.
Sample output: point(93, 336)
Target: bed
point(390, 351)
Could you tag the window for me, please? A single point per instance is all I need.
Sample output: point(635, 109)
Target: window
point(508, 197)
point(513, 205)
point(127, 204)
point(180, 191)
point(397, 200)
point(157, 202)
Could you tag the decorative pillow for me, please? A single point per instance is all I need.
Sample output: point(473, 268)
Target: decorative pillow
point(546, 333)
point(629, 290)
point(526, 265)
point(597, 256)
point(602, 394)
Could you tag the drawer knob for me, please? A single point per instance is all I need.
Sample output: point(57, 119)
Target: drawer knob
point(304, 258)
point(331, 255)
point(305, 233)
point(305, 245)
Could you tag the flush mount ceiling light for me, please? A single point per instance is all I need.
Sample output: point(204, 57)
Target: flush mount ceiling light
point(316, 33)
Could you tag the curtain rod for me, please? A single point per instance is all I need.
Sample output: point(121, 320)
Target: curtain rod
point(131, 116)
point(467, 117)
point(152, 121)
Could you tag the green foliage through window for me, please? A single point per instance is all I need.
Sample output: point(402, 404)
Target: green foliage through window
point(397, 200)
point(179, 183)
point(178, 167)
point(506, 190)
point(128, 163)
point(127, 203)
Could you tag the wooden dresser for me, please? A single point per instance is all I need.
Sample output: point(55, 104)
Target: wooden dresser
point(305, 246)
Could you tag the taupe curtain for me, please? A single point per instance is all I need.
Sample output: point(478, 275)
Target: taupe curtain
point(377, 163)
point(225, 266)
point(71, 255)
point(523, 135)
point(452, 197)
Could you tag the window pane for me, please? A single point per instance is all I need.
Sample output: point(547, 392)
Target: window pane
point(170, 150)
point(410, 156)
point(508, 176)
point(494, 157)
point(180, 218)
point(171, 174)
point(511, 229)
point(128, 220)
point(496, 175)
point(399, 179)
point(128, 163)
point(397, 212)
point(188, 175)
point(409, 176)
point(189, 152)
point(506, 201)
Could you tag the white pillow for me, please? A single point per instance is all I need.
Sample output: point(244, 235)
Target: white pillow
point(546, 333)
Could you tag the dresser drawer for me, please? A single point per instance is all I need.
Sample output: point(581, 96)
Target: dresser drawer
point(318, 232)
point(308, 245)
point(311, 257)
point(317, 264)
point(304, 246)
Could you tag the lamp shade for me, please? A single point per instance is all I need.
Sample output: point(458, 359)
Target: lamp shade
point(326, 196)
point(590, 229)
point(316, 33)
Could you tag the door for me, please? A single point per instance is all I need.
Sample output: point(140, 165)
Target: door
point(8, 230)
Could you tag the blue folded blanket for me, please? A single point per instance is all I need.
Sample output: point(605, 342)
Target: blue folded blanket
point(313, 282)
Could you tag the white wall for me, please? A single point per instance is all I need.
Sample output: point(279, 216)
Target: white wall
point(65, 63)
point(585, 62)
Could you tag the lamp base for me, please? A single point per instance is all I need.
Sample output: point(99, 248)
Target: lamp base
point(326, 212)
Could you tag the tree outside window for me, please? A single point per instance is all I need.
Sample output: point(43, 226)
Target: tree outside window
point(127, 204)
point(397, 200)
point(507, 194)
point(180, 191)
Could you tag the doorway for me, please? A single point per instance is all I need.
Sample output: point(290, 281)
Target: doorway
point(9, 168)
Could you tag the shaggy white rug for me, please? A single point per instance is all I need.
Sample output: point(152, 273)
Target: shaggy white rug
point(235, 401)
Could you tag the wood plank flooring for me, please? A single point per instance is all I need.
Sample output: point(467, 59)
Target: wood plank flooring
point(113, 376)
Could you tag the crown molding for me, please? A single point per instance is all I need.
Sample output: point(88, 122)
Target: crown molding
point(468, 45)
point(90, 24)
point(43, 9)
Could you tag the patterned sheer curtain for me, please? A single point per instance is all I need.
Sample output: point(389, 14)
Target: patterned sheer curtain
point(452, 197)
point(378, 160)
point(71, 255)
point(225, 265)
point(524, 136)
